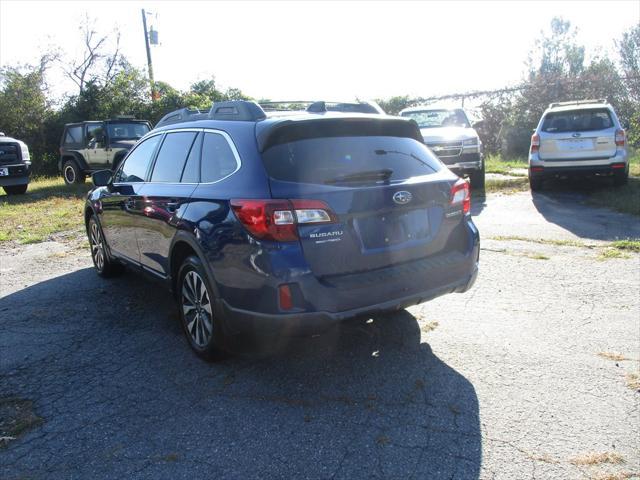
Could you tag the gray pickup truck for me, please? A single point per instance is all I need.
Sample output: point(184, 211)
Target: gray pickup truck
point(97, 145)
point(449, 134)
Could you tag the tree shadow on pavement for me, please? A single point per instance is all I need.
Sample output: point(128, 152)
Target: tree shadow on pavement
point(120, 393)
point(563, 202)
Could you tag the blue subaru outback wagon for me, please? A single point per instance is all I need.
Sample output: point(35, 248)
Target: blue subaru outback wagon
point(284, 224)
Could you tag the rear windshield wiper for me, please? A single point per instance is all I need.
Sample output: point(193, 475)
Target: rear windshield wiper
point(415, 157)
point(375, 175)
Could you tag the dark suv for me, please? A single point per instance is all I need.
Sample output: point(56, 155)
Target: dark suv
point(286, 224)
point(89, 146)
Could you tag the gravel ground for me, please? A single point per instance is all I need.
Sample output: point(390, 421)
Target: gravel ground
point(507, 381)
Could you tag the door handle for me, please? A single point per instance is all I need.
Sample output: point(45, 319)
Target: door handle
point(172, 205)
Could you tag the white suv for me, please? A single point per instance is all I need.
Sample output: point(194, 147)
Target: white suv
point(578, 138)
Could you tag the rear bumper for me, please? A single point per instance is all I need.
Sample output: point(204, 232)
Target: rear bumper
point(308, 323)
point(549, 172)
point(329, 300)
point(539, 168)
point(467, 162)
point(18, 175)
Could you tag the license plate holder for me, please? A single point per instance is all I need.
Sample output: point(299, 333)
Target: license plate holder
point(577, 144)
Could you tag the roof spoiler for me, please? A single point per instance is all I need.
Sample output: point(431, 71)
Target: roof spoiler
point(238, 110)
point(577, 102)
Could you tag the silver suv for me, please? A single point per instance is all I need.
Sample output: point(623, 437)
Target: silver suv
point(449, 134)
point(578, 138)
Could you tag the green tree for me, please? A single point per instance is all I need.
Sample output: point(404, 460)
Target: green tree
point(629, 51)
point(25, 106)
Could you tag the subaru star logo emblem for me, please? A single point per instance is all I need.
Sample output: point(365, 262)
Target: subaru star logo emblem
point(575, 135)
point(402, 197)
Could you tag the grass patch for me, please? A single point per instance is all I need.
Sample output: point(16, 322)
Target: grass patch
point(632, 245)
point(429, 327)
point(543, 241)
point(617, 357)
point(633, 381)
point(634, 163)
point(625, 199)
point(48, 207)
point(610, 253)
point(538, 256)
point(507, 185)
point(598, 458)
point(496, 164)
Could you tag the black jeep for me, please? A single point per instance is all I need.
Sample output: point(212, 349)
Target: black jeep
point(95, 145)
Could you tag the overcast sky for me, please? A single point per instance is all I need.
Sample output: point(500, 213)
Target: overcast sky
point(331, 50)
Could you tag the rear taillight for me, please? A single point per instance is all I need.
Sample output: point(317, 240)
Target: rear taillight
point(461, 195)
point(620, 138)
point(535, 143)
point(277, 220)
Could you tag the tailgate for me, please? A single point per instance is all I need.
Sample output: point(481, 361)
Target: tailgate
point(577, 135)
point(387, 196)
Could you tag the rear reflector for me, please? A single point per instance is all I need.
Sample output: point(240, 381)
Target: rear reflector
point(620, 138)
point(537, 169)
point(618, 165)
point(277, 220)
point(284, 294)
point(535, 143)
point(461, 195)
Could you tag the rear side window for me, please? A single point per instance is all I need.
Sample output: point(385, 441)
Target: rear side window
point(350, 160)
point(577, 121)
point(73, 135)
point(137, 163)
point(191, 171)
point(218, 160)
point(172, 157)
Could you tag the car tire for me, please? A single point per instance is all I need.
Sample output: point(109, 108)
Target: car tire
point(621, 178)
point(196, 309)
point(535, 184)
point(105, 265)
point(72, 173)
point(16, 189)
point(477, 179)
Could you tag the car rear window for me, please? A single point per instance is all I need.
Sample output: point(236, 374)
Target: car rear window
point(344, 161)
point(577, 121)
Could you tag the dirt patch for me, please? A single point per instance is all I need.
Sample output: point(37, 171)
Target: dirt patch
point(16, 417)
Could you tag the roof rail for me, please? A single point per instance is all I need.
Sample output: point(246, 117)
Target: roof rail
point(577, 102)
point(315, 106)
point(237, 110)
point(182, 115)
point(230, 110)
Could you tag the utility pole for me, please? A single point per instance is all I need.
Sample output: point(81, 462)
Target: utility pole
point(146, 44)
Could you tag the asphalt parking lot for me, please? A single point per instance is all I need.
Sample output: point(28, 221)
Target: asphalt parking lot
point(528, 375)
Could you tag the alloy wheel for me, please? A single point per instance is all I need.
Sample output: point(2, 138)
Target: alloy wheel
point(97, 246)
point(196, 308)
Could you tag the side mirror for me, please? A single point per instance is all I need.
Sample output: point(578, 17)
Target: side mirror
point(478, 124)
point(101, 178)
